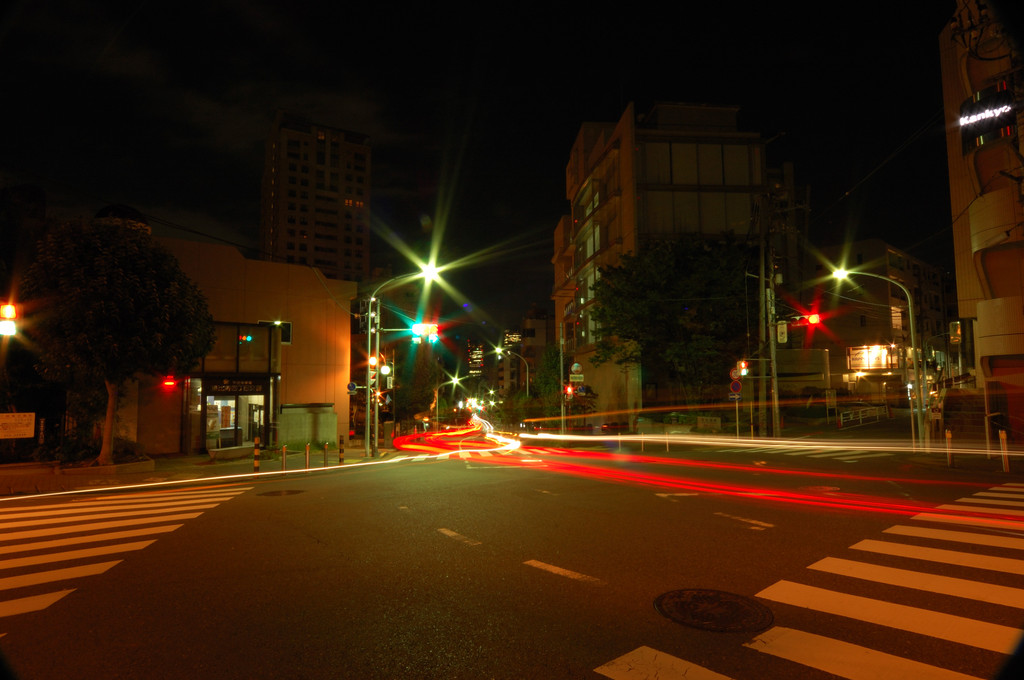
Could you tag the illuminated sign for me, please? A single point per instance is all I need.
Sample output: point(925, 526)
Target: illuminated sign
point(986, 116)
point(872, 357)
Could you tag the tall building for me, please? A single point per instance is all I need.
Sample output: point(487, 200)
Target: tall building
point(982, 87)
point(315, 204)
point(680, 171)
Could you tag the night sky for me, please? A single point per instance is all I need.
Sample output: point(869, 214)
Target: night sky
point(166, 106)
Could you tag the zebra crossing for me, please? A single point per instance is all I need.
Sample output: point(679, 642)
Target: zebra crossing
point(457, 455)
point(813, 452)
point(56, 543)
point(974, 610)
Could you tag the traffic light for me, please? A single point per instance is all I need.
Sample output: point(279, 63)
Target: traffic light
point(568, 391)
point(244, 337)
point(812, 319)
point(742, 366)
point(8, 314)
point(424, 330)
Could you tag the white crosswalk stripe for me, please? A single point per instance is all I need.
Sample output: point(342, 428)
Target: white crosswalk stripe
point(978, 547)
point(80, 531)
point(451, 455)
point(831, 453)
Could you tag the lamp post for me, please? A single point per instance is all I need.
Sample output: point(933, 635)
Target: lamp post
point(501, 350)
point(373, 329)
point(918, 382)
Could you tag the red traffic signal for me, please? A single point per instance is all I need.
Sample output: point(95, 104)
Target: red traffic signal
point(8, 313)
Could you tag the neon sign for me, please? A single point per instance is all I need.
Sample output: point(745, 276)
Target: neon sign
point(986, 116)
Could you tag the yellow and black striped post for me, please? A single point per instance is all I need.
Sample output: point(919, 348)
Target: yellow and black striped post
point(256, 455)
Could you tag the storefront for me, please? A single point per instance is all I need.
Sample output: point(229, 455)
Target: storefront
point(230, 408)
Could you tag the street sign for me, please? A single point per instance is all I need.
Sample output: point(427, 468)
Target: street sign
point(733, 396)
point(736, 387)
point(576, 368)
point(735, 374)
point(17, 425)
point(576, 378)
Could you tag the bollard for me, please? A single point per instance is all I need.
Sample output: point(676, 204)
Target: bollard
point(307, 455)
point(284, 458)
point(1006, 454)
point(256, 455)
point(949, 448)
point(325, 456)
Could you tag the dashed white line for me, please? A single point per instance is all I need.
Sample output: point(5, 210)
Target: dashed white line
point(563, 572)
point(458, 537)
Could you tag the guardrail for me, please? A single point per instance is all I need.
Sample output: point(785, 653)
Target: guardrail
point(861, 416)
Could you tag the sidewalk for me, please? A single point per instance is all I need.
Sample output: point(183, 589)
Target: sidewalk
point(21, 479)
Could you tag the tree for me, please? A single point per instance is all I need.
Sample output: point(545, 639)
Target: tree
point(676, 307)
point(416, 392)
point(109, 303)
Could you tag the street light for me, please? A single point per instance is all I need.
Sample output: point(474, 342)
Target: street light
point(499, 350)
point(918, 382)
point(427, 271)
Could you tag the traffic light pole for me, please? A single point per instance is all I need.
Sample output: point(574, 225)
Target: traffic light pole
point(371, 331)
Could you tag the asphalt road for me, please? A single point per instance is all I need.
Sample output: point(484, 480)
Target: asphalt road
point(536, 563)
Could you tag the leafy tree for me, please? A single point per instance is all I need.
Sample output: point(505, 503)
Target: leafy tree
point(676, 308)
point(548, 383)
point(109, 303)
point(416, 392)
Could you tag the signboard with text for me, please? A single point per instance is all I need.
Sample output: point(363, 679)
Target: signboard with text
point(17, 425)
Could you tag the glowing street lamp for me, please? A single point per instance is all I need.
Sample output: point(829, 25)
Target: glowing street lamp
point(427, 271)
point(500, 350)
point(918, 381)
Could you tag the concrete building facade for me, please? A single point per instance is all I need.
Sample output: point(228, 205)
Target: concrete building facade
point(982, 87)
point(681, 171)
point(279, 369)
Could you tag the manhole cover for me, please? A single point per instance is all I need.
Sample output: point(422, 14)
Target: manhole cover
point(714, 610)
point(282, 492)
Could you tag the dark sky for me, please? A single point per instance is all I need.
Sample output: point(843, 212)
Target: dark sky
point(166, 106)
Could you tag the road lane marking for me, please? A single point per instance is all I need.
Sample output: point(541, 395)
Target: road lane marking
point(844, 659)
point(91, 538)
point(83, 518)
point(995, 494)
point(966, 508)
point(1007, 565)
point(563, 572)
point(990, 501)
point(92, 526)
point(932, 583)
point(861, 456)
point(77, 510)
point(38, 577)
point(458, 537)
point(142, 498)
point(959, 629)
point(35, 603)
point(958, 536)
point(672, 496)
point(644, 663)
point(981, 522)
point(72, 554)
point(758, 525)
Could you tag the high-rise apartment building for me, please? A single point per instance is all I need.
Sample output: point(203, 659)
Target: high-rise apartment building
point(315, 205)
